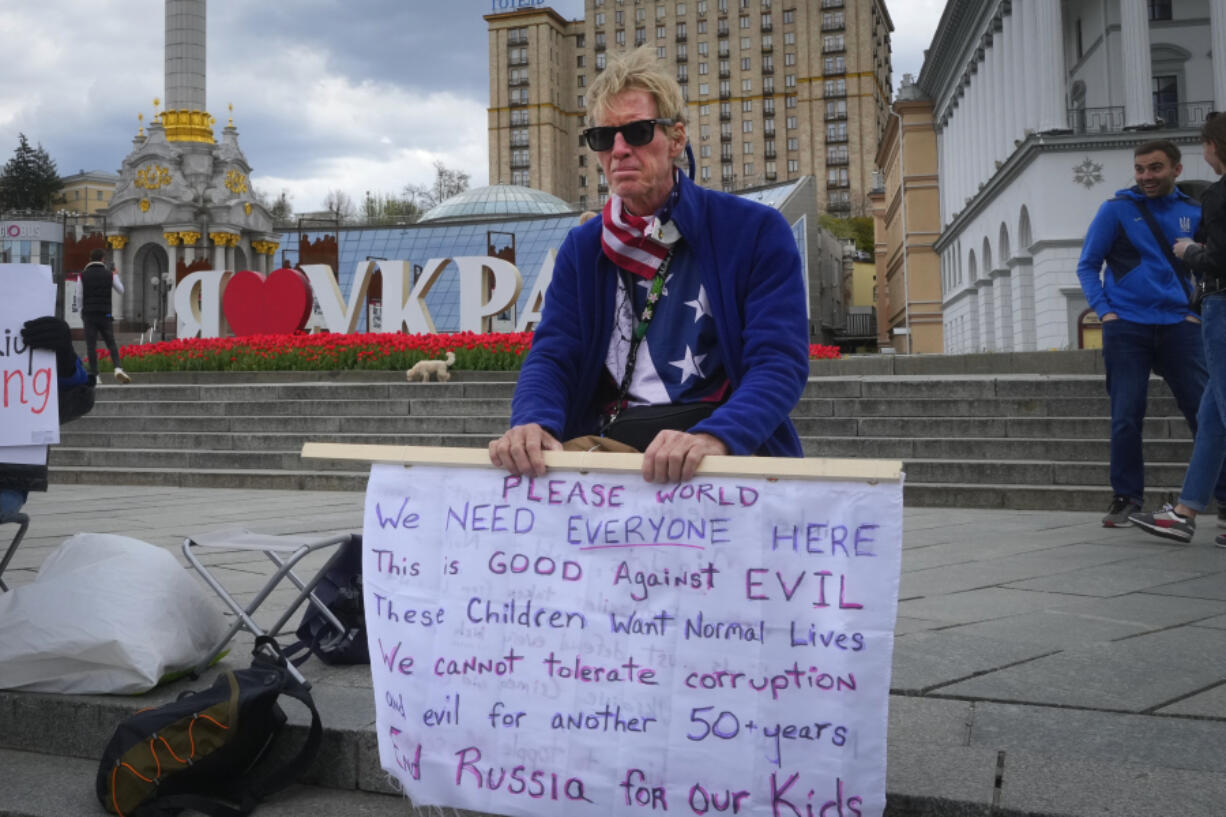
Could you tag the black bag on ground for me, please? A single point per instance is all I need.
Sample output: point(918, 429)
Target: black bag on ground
point(203, 751)
point(340, 590)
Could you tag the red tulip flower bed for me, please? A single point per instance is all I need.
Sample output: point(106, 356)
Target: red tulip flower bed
point(325, 351)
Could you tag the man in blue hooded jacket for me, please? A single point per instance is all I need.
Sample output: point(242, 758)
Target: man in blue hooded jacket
point(680, 310)
point(1142, 299)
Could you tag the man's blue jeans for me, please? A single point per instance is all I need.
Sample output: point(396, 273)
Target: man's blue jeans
point(1176, 352)
point(1209, 451)
point(11, 501)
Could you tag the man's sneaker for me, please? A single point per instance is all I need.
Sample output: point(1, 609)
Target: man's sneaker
point(1165, 523)
point(1121, 508)
point(1221, 516)
point(1220, 540)
point(122, 376)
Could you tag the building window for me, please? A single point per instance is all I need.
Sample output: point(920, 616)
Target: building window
point(519, 118)
point(793, 143)
point(640, 36)
point(600, 61)
point(746, 126)
point(746, 106)
point(836, 109)
point(581, 61)
point(747, 148)
point(766, 22)
point(580, 41)
point(725, 88)
point(661, 32)
point(789, 80)
point(706, 173)
point(771, 172)
point(582, 181)
point(789, 58)
point(793, 165)
point(746, 43)
point(702, 69)
point(522, 178)
point(789, 101)
point(1160, 9)
point(832, 21)
point(725, 110)
point(768, 64)
point(835, 65)
point(768, 85)
point(599, 19)
point(683, 73)
point(837, 177)
point(681, 9)
point(789, 16)
point(725, 131)
point(619, 17)
point(747, 170)
point(832, 42)
point(746, 62)
point(703, 88)
point(725, 69)
point(702, 26)
point(661, 52)
point(789, 38)
point(702, 48)
point(640, 14)
point(517, 56)
point(744, 21)
point(660, 12)
point(705, 150)
point(836, 155)
point(704, 109)
point(835, 87)
point(768, 107)
point(519, 138)
point(581, 101)
point(702, 7)
point(682, 56)
point(747, 86)
point(619, 36)
point(680, 32)
point(791, 125)
point(836, 132)
point(723, 6)
point(1166, 98)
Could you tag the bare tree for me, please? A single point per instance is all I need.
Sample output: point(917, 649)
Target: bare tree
point(447, 183)
point(338, 203)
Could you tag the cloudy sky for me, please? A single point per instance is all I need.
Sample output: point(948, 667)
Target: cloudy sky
point(358, 95)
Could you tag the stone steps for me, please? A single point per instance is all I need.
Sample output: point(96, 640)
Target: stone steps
point(1015, 440)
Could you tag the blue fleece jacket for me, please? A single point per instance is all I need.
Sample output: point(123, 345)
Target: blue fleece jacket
point(1138, 283)
point(752, 274)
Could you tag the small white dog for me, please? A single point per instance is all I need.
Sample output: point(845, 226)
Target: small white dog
point(423, 369)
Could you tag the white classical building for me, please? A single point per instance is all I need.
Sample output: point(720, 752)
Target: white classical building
point(1038, 105)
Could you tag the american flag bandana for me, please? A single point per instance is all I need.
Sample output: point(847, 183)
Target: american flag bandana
point(637, 245)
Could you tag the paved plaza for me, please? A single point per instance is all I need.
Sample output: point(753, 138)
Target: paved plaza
point(1043, 665)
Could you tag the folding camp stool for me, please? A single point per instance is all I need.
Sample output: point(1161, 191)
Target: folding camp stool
point(22, 521)
point(283, 551)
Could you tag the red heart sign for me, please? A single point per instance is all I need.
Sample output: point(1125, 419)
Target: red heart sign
point(278, 304)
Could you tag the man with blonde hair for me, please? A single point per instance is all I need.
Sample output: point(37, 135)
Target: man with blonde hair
point(675, 322)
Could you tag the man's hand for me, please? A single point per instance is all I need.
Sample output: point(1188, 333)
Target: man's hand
point(1110, 316)
point(674, 456)
point(522, 449)
point(1181, 247)
point(50, 332)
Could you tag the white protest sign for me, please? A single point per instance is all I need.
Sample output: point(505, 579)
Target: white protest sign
point(29, 400)
point(588, 643)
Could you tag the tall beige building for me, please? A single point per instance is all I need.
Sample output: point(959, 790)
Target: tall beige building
point(776, 90)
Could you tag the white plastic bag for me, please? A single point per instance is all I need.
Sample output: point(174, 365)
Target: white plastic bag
point(105, 614)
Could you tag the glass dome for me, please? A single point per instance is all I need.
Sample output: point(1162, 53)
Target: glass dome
point(497, 200)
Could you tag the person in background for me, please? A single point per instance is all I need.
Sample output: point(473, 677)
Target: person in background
point(96, 284)
point(76, 397)
point(675, 321)
point(1143, 299)
point(1207, 259)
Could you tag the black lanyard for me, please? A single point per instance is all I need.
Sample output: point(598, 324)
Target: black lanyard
point(640, 332)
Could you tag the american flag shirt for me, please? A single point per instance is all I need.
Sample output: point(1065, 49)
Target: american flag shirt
point(679, 360)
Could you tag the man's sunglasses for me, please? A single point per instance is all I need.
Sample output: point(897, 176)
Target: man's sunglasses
point(636, 134)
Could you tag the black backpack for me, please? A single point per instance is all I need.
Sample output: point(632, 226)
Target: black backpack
point(340, 590)
point(202, 752)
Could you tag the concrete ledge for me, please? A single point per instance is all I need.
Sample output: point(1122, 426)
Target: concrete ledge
point(1078, 361)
